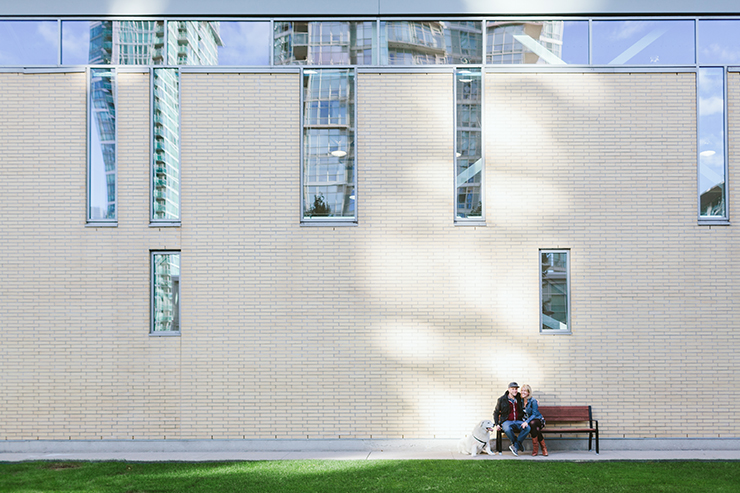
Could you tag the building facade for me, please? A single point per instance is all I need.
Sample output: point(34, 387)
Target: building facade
point(278, 224)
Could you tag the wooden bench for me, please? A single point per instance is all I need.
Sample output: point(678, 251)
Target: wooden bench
point(557, 415)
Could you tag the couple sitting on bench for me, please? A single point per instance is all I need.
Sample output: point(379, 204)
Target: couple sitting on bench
point(518, 415)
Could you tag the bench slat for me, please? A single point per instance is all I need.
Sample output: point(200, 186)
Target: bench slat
point(565, 413)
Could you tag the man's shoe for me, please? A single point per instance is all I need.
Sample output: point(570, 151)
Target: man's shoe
point(513, 450)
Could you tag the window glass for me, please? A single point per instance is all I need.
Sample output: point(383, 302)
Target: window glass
point(244, 43)
point(76, 42)
point(431, 42)
point(718, 42)
point(537, 42)
point(328, 144)
point(643, 42)
point(711, 143)
point(166, 121)
point(165, 292)
point(193, 42)
point(29, 43)
point(123, 42)
point(324, 43)
point(468, 143)
point(554, 291)
point(102, 145)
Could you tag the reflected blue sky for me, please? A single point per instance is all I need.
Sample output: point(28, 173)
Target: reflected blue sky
point(711, 128)
point(29, 43)
point(643, 42)
point(719, 42)
point(575, 42)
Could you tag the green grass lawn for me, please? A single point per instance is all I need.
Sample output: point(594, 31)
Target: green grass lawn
point(374, 476)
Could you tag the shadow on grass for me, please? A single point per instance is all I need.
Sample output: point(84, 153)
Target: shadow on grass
point(370, 476)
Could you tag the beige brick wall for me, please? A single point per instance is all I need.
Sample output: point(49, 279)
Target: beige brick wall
point(76, 359)
point(403, 326)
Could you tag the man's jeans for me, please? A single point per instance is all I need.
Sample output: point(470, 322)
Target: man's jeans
point(512, 427)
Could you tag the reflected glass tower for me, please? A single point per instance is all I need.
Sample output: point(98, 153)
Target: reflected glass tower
point(328, 143)
point(323, 43)
point(149, 43)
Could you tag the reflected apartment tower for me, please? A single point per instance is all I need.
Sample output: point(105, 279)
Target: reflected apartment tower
point(400, 43)
point(323, 43)
point(151, 43)
point(507, 41)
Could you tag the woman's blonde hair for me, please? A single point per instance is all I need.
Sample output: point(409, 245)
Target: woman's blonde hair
point(529, 389)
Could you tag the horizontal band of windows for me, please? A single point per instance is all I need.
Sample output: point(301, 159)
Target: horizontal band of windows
point(366, 69)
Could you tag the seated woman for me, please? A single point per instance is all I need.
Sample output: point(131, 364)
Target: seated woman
point(534, 419)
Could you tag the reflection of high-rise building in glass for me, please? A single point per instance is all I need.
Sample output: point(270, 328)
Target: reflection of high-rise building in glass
point(412, 43)
point(323, 43)
point(469, 141)
point(463, 41)
point(166, 119)
point(150, 43)
point(126, 42)
point(193, 42)
point(399, 43)
point(166, 292)
point(102, 176)
point(328, 143)
point(521, 42)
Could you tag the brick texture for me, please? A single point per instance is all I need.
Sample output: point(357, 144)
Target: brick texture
point(402, 326)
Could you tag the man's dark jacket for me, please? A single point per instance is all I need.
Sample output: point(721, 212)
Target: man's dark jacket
point(503, 408)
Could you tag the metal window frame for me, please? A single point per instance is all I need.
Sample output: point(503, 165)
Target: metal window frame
point(152, 332)
point(567, 252)
point(327, 221)
point(153, 222)
point(88, 72)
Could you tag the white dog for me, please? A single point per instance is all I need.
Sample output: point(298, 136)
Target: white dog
point(478, 441)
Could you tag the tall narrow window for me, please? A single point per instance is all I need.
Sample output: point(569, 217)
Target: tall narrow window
point(166, 145)
point(101, 176)
point(554, 291)
point(712, 143)
point(468, 145)
point(165, 292)
point(328, 172)
point(717, 40)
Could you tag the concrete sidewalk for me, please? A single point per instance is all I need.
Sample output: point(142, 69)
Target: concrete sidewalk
point(210, 456)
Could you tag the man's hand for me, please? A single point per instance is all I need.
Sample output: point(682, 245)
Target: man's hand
point(498, 427)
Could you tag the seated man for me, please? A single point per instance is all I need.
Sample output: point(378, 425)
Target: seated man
point(509, 416)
